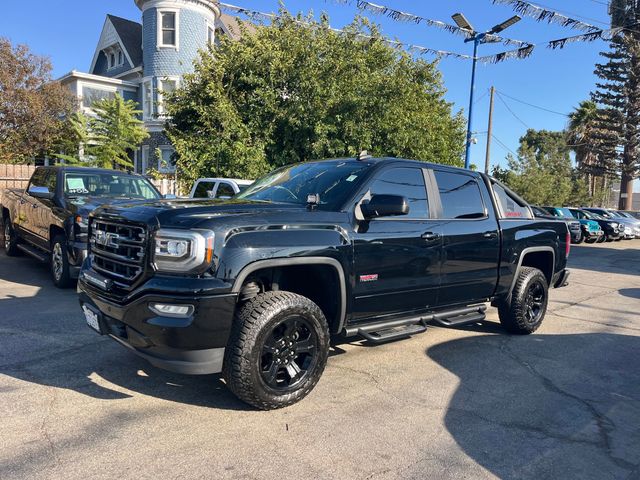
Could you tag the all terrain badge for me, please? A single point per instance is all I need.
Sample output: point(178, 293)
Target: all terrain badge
point(369, 278)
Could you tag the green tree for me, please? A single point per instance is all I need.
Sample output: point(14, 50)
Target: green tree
point(108, 137)
point(618, 95)
point(542, 172)
point(296, 90)
point(32, 106)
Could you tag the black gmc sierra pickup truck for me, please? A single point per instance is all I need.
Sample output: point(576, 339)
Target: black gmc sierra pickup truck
point(255, 286)
point(48, 219)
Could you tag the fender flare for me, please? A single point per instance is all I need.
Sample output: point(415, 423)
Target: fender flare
point(524, 252)
point(287, 262)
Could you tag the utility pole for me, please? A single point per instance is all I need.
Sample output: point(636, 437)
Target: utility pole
point(487, 159)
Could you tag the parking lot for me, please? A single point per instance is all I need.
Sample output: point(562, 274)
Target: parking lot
point(470, 402)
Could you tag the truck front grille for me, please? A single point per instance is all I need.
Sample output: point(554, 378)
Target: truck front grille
point(119, 250)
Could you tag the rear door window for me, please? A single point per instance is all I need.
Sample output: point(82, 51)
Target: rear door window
point(460, 196)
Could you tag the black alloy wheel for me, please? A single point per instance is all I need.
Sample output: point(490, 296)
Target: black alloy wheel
point(289, 354)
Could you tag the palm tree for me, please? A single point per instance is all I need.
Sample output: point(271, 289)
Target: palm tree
point(583, 139)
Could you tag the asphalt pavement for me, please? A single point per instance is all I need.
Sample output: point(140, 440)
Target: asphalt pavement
point(469, 402)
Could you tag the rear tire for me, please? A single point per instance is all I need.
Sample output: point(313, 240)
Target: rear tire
point(579, 240)
point(277, 351)
point(601, 239)
point(528, 305)
point(10, 239)
point(60, 272)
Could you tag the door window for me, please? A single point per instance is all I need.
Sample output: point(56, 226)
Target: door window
point(203, 190)
point(460, 196)
point(408, 182)
point(510, 207)
point(225, 191)
point(39, 178)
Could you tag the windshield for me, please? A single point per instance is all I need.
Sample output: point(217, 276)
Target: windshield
point(333, 181)
point(91, 184)
point(564, 212)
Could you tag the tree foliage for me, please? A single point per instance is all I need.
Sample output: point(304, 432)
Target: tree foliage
point(108, 137)
point(618, 96)
point(542, 172)
point(297, 90)
point(32, 107)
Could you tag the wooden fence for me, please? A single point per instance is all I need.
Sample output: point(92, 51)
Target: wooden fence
point(15, 176)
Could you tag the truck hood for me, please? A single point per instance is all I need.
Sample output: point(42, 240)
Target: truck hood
point(85, 205)
point(188, 213)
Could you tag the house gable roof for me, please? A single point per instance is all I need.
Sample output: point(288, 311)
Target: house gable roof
point(125, 32)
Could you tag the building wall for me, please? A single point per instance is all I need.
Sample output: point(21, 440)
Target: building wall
point(167, 61)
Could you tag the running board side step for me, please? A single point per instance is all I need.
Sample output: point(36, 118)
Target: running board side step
point(399, 328)
point(34, 252)
point(389, 330)
point(461, 316)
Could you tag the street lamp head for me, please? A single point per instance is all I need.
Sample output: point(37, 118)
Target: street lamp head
point(504, 25)
point(462, 21)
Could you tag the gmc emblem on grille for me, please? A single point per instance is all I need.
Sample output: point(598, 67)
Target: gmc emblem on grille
point(106, 239)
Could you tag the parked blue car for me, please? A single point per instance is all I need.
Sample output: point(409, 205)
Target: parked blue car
point(591, 231)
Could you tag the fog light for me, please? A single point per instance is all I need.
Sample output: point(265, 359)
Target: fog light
point(169, 310)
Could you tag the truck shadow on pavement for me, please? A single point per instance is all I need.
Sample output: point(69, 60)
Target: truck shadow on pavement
point(529, 406)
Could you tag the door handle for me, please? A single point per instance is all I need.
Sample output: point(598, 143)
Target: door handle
point(490, 235)
point(430, 236)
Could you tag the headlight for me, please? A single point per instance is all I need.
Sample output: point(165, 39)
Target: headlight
point(183, 251)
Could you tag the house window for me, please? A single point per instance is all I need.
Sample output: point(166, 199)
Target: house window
point(112, 60)
point(147, 99)
point(165, 85)
point(145, 159)
point(168, 29)
point(166, 162)
point(211, 35)
point(120, 58)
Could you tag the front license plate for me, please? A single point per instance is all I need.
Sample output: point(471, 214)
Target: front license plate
point(92, 318)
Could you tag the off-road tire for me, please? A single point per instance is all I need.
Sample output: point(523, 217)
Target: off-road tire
point(10, 245)
point(514, 314)
point(60, 271)
point(591, 240)
point(254, 324)
point(580, 239)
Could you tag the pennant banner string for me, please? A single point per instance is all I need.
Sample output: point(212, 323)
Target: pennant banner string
point(541, 14)
point(401, 16)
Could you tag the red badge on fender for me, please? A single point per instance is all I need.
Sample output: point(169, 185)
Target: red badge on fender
point(369, 278)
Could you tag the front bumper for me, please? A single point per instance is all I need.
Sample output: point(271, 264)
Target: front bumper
point(192, 345)
point(593, 233)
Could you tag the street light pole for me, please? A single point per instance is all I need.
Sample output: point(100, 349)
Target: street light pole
point(487, 158)
point(467, 153)
point(477, 38)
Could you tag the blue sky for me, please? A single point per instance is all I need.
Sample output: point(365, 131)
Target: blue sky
point(557, 80)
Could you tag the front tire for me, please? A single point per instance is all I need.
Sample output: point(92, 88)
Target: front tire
point(601, 239)
point(10, 239)
point(579, 240)
point(60, 272)
point(528, 305)
point(591, 240)
point(277, 351)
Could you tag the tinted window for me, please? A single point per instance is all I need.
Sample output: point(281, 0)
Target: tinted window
point(203, 189)
point(460, 195)
point(225, 191)
point(81, 184)
point(51, 181)
point(39, 178)
point(408, 182)
point(510, 207)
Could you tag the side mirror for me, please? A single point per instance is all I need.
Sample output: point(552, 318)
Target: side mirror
point(169, 196)
point(40, 192)
point(385, 206)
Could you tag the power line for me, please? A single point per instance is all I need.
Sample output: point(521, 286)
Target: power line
point(532, 105)
point(511, 111)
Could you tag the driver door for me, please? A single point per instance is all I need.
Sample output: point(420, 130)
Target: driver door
point(397, 259)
